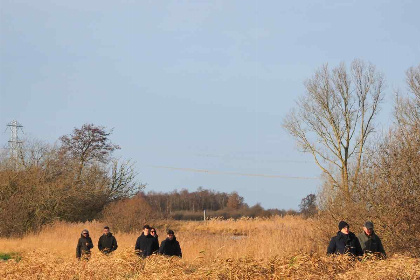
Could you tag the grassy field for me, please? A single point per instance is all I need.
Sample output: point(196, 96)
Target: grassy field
point(276, 248)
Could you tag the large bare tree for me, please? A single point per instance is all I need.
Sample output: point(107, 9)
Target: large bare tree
point(334, 119)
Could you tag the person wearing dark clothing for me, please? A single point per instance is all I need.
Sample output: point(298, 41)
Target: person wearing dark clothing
point(170, 246)
point(146, 244)
point(345, 242)
point(84, 245)
point(370, 242)
point(154, 234)
point(107, 242)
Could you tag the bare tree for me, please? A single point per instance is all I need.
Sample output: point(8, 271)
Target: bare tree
point(335, 118)
point(407, 109)
point(123, 182)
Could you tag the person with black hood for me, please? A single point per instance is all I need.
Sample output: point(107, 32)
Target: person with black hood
point(170, 246)
point(84, 245)
point(146, 244)
point(345, 242)
point(107, 242)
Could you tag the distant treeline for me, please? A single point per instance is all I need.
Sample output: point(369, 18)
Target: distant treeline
point(190, 205)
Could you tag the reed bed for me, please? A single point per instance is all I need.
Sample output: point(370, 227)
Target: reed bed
point(275, 248)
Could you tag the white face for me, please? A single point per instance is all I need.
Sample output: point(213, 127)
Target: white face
point(153, 232)
point(146, 231)
point(106, 231)
point(170, 236)
point(345, 230)
point(368, 231)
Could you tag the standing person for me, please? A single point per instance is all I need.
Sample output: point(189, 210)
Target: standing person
point(170, 246)
point(107, 242)
point(154, 233)
point(369, 241)
point(345, 242)
point(84, 245)
point(146, 244)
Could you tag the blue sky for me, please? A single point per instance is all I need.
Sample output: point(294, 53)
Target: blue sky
point(194, 84)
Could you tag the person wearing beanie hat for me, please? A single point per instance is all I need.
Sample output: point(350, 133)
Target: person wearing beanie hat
point(370, 242)
point(345, 242)
point(342, 225)
point(170, 246)
point(84, 245)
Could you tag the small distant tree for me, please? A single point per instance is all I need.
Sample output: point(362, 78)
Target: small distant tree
point(235, 201)
point(308, 205)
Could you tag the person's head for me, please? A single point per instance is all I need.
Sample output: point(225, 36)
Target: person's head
point(106, 230)
point(368, 228)
point(153, 231)
point(146, 229)
point(171, 234)
point(343, 227)
point(85, 233)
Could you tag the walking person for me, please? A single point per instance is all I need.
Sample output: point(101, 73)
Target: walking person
point(170, 246)
point(154, 234)
point(369, 241)
point(345, 242)
point(146, 244)
point(84, 245)
point(107, 242)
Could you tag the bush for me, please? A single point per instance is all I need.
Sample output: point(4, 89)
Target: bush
point(129, 215)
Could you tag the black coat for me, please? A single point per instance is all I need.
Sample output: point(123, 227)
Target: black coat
point(83, 246)
point(107, 243)
point(371, 243)
point(170, 247)
point(146, 245)
point(345, 244)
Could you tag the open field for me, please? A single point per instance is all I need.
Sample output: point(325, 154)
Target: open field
point(276, 248)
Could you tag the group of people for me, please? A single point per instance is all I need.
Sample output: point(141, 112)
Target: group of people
point(147, 244)
point(346, 242)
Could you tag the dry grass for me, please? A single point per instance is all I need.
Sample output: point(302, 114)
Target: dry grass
point(276, 248)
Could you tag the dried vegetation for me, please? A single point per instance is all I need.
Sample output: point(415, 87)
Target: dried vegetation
point(274, 248)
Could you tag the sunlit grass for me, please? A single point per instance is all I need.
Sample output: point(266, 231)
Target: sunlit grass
point(276, 248)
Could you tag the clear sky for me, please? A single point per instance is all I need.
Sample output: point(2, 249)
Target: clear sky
point(194, 84)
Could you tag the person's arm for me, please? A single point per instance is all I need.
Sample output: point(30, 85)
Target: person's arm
point(381, 247)
point(114, 244)
point(100, 244)
point(78, 253)
point(359, 251)
point(90, 243)
point(155, 246)
point(137, 247)
point(179, 252)
point(162, 247)
point(331, 247)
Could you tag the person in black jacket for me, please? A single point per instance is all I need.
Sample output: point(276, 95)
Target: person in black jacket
point(107, 242)
point(146, 244)
point(345, 242)
point(154, 234)
point(84, 245)
point(170, 246)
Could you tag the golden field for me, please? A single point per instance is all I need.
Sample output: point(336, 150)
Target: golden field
point(274, 248)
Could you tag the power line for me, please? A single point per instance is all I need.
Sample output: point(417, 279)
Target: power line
point(215, 172)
